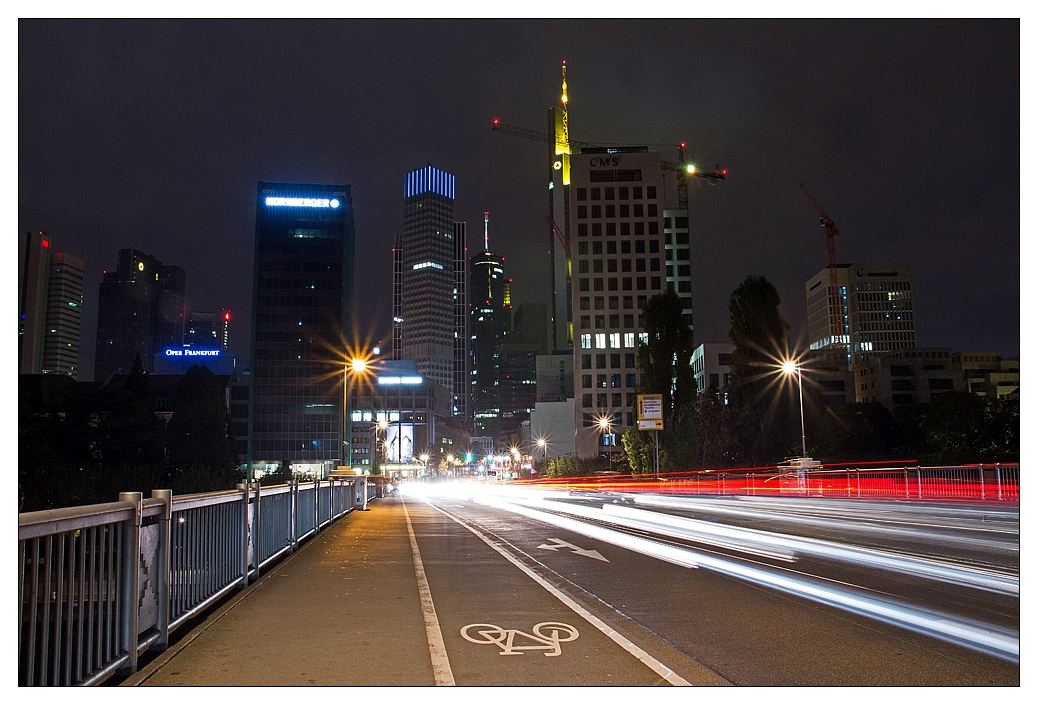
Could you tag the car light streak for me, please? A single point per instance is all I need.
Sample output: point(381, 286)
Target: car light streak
point(726, 508)
point(654, 549)
point(980, 637)
point(698, 530)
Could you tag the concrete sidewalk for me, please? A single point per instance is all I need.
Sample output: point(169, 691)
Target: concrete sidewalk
point(343, 610)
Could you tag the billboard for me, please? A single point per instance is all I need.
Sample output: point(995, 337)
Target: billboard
point(400, 443)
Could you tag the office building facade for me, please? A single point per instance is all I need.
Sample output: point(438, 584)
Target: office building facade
point(50, 308)
point(427, 274)
point(140, 311)
point(873, 306)
point(302, 308)
point(988, 374)
point(618, 264)
point(462, 389)
point(677, 241)
point(906, 376)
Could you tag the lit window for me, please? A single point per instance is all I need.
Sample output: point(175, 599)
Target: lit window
point(628, 340)
point(600, 342)
point(614, 340)
point(585, 341)
point(643, 338)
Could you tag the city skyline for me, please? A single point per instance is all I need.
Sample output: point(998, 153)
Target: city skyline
point(886, 122)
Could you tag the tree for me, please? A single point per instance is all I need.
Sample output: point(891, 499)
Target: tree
point(665, 361)
point(717, 433)
point(201, 447)
point(638, 451)
point(759, 335)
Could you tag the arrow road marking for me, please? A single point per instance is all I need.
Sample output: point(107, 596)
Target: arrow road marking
point(559, 543)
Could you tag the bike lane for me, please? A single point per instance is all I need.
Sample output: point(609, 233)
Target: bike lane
point(501, 627)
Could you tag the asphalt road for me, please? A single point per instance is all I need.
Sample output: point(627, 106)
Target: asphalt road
point(748, 632)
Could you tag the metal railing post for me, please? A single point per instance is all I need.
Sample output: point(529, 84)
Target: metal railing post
point(919, 481)
point(906, 481)
point(257, 533)
point(980, 467)
point(244, 489)
point(129, 585)
point(293, 508)
point(998, 480)
point(162, 589)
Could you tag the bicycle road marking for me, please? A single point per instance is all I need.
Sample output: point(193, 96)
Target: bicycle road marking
point(441, 665)
point(623, 642)
point(505, 638)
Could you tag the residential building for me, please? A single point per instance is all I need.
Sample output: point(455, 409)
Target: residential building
point(302, 310)
point(873, 308)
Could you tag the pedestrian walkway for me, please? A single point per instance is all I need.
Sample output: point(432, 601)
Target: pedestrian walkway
point(343, 610)
point(405, 594)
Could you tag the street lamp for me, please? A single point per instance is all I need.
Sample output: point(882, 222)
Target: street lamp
point(605, 427)
point(788, 368)
point(355, 367)
point(543, 445)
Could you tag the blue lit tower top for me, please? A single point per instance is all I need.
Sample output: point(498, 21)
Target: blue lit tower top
point(429, 180)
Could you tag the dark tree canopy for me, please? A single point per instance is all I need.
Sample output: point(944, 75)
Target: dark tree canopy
point(200, 440)
point(761, 405)
point(665, 360)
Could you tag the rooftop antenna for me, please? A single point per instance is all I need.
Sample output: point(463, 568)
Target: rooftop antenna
point(486, 231)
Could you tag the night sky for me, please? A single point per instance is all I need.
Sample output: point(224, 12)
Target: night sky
point(153, 134)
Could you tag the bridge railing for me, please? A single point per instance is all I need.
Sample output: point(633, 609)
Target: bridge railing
point(101, 584)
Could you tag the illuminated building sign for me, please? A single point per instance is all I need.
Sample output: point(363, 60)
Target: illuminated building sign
point(302, 202)
point(399, 380)
point(191, 352)
point(425, 265)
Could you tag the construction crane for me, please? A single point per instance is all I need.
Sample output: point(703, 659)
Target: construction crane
point(682, 167)
point(831, 233)
point(562, 238)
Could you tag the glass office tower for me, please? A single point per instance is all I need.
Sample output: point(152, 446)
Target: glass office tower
point(302, 318)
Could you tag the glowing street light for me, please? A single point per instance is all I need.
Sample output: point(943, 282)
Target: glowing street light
point(354, 367)
point(543, 445)
point(788, 368)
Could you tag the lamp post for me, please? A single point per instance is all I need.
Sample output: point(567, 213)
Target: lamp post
point(605, 427)
point(543, 445)
point(789, 367)
point(356, 366)
point(424, 457)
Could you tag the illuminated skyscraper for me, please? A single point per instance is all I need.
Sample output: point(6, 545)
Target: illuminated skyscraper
point(302, 312)
point(50, 308)
point(427, 274)
point(462, 400)
point(490, 320)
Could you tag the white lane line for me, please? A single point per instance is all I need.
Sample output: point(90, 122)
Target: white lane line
point(658, 667)
point(442, 673)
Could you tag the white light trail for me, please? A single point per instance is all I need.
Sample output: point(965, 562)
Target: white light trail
point(980, 637)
